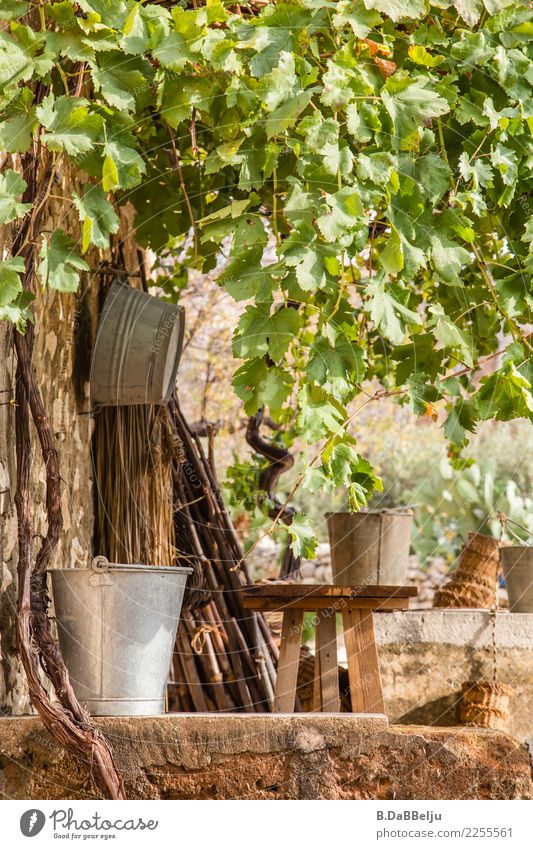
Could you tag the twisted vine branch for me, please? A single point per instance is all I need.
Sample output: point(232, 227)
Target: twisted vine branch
point(68, 722)
point(281, 460)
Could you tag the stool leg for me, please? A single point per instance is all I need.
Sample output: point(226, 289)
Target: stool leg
point(326, 651)
point(289, 658)
point(317, 683)
point(363, 665)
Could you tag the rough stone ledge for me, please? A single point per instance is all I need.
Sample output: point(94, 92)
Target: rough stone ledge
point(311, 756)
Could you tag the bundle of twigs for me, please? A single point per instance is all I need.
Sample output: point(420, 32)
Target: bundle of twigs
point(159, 501)
point(225, 655)
point(133, 453)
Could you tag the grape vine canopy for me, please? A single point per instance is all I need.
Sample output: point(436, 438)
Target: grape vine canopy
point(363, 167)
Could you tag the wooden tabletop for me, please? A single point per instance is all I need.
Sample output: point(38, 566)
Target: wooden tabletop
point(272, 596)
point(269, 590)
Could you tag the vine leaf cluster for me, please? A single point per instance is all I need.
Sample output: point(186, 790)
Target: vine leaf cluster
point(359, 171)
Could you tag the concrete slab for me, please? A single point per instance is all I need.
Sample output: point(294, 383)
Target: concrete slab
point(472, 628)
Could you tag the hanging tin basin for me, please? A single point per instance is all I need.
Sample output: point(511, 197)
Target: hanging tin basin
point(117, 626)
point(137, 349)
point(518, 569)
point(370, 547)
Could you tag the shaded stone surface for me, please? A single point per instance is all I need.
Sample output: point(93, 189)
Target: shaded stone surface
point(425, 656)
point(309, 756)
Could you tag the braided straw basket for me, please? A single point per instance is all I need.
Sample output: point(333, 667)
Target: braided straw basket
point(474, 582)
point(485, 704)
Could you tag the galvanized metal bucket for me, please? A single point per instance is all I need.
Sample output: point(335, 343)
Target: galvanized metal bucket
point(370, 547)
point(137, 349)
point(117, 626)
point(518, 570)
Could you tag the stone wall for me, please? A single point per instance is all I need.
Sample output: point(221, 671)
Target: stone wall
point(255, 756)
point(425, 656)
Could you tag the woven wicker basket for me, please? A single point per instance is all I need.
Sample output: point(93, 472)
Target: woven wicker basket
point(485, 704)
point(474, 582)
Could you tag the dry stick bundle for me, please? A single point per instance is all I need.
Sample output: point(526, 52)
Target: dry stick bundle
point(238, 649)
point(133, 474)
point(68, 722)
point(225, 655)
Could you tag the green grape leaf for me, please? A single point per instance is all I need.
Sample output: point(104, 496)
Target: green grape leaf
point(345, 213)
point(171, 50)
point(12, 185)
point(434, 175)
point(12, 9)
point(260, 332)
point(337, 367)
point(451, 336)
point(60, 263)
point(391, 257)
point(306, 256)
point(244, 277)
point(123, 166)
point(398, 10)
point(388, 313)
point(315, 481)
point(16, 127)
point(448, 258)
point(319, 414)
point(362, 121)
point(504, 395)
point(10, 282)
point(361, 19)
point(135, 32)
point(118, 80)
point(258, 384)
point(68, 123)
point(15, 63)
point(422, 393)
point(417, 356)
point(410, 103)
point(18, 312)
point(470, 10)
point(303, 539)
point(345, 467)
point(285, 115)
point(462, 419)
point(97, 215)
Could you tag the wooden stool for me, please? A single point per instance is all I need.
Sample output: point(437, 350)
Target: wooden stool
point(356, 604)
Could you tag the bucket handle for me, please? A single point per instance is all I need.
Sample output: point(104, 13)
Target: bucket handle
point(100, 564)
point(101, 576)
